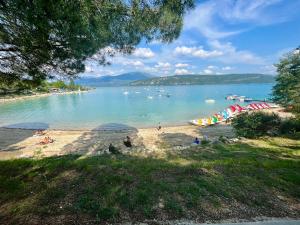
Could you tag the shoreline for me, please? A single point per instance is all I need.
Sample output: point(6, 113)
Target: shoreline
point(124, 127)
point(36, 95)
point(25, 143)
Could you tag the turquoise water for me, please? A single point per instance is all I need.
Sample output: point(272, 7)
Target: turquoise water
point(133, 106)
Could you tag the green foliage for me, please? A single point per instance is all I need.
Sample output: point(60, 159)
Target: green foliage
point(287, 88)
point(40, 37)
point(189, 183)
point(71, 86)
point(58, 84)
point(205, 141)
point(256, 124)
point(290, 126)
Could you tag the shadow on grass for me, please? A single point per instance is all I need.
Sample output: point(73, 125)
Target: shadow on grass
point(201, 183)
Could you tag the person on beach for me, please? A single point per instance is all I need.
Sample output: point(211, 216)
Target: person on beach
point(127, 142)
point(196, 141)
point(39, 133)
point(46, 140)
point(112, 149)
point(159, 127)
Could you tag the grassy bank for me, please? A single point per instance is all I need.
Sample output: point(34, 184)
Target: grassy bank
point(212, 182)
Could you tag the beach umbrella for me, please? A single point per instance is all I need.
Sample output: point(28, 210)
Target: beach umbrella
point(199, 122)
point(239, 108)
point(209, 121)
point(268, 106)
point(230, 113)
point(249, 107)
point(204, 122)
point(263, 105)
point(219, 116)
point(214, 119)
point(225, 114)
point(259, 106)
point(253, 105)
point(233, 109)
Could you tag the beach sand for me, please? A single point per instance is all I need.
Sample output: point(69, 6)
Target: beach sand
point(36, 95)
point(19, 143)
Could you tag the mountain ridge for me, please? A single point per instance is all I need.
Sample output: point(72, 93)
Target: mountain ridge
point(118, 80)
point(205, 79)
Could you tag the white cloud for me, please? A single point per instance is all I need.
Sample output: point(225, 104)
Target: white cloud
point(88, 69)
point(202, 20)
point(181, 72)
point(143, 53)
point(212, 67)
point(254, 10)
point(207, 17)
point(208, 71)
point(162, 65)
point(133, 63)
point(198, 52)
point(179, 65)
point(232, 55)
point(269, 69)
point(226, 68)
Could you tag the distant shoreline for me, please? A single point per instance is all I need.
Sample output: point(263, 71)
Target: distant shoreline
point(36, 95)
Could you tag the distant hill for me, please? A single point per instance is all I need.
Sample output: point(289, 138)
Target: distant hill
point(119, 80)
point(206, 79)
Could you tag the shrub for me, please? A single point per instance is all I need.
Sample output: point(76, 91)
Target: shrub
point(256, 124)
point(290, 126)
point(205, 141)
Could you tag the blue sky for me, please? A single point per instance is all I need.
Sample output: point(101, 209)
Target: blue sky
point(218, 37)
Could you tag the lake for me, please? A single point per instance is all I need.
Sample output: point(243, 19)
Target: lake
point(132, 106)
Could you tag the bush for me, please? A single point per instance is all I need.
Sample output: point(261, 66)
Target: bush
point(256, 124)
point(290, 126)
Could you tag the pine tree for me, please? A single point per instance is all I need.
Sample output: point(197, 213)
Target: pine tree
point(287, 88)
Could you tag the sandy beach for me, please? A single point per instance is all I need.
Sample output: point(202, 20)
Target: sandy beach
point(16, 143)
point(36, 95)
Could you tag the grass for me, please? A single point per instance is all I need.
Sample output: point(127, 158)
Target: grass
point(212, 182)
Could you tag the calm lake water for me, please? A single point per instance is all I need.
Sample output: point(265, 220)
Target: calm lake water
point(132, 106)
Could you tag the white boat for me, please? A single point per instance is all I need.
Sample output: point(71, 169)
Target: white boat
point(210, 101)
point(232, 97)
point(125, 93)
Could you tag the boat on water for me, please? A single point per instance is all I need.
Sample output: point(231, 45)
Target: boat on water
point(211, 101)
point(239, 98)
point(244, 99)
point(231, 97)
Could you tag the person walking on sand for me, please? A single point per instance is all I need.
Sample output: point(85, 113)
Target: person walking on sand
point(159, 127)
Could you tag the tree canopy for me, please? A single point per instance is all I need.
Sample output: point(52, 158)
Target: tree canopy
point(287, 88)
point(43, 37)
